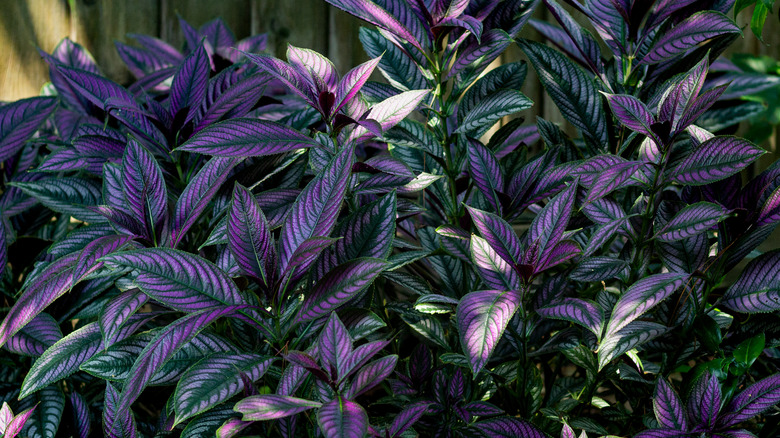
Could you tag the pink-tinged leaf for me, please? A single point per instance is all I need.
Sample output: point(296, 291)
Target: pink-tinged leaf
point(117, 312)
point(752, 401)
point(35, 337)
point(643, 296)
point(407, 417)
point(704, 400)
point(498, 233)
point(162, 348)
point(391, 111)
point(700, 105)
point(673, 106)
point(340, 285)
point(19, 120)
point(631, 336)
point(379, 17)
point(199, 192)
point(289, 76)
point(583, 312)
point(633, 114)
point(494, 270)
point(189, 84)
point(562, 251)
point(15, 425)
point(315, 211)
point(567, 432)
point(215, 379)
point(321, 70)
point(508, 427)
point(689, 33)
point(249, 238)
point(359, 357)
point(116, 423)
point(757, 290)
point(352, 82)
point(144, 188)
point(80, 411)
point(482, 318)
point(716, 159)
point(692, 220)
point(667, 406)
point(486, 173)
point(335, 346)
point(613, 178)
point(341, 418)
point(88, 259)
point(272, 406)
point(40, 291)
point(236, 101)
point(371, 375)
point(547, 228)
point(305, 256)
point(244, 137)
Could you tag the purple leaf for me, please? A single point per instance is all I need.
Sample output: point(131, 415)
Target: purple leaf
point(474, 57)
point(340, 285)
point(288, 75)
point(235, 101)
point(117, 312)
point(631, 336)
point(159, 47)
point(352, 82)
point(272, 406)
point(407, 417)
point(633, 114)
point(700, 105)
point(163, 346)
point(140, 61)
point(379, 17)
point(757, 290)
point(613, 178)
point(304, 256)
point(244, 137)
point(687, 34)
point(144, 188)
point(35, 337)
point(673, 106)
point(660, 433)
point(199, 192)
point(315, 211)
point(643, 296)
point(17, 423)
point(116, 423)
point(561, 252)
point(704, 400)
point(486, 172)
point(391, 111)
point(88, 259)
point(322, 72)
point(585, 313)
point(586, 49)
point(482, 318)
point(667, 407)
point(752, 401)
point(80, 414)
point(215, 379)
point(692, 220)
point(342, 418)
point(494, 270)
point(359, 357)
point(498, 233)
point(715, 159)
point(508, 427)
point(19, 120)
point(249, 238)
point(189, 84)
point(371, 375)
point(547, 228)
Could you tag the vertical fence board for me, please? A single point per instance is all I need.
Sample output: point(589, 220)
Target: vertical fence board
point(344, 47)
point(302, 23)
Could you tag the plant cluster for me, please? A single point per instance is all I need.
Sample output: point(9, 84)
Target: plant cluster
point(237, 245)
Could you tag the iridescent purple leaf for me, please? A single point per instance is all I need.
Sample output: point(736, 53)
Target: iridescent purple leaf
point(391, 111)
point(17, 423)
point(716, 159)
point(482, 318)
point(272, 406)
point(583, 46)
point(700, 105)
point(660, 433)
point(341, 418)
point(304, 256)
point(704, 400)
point(667, 406)
point(615, 343)
point(116, 423)
point(229, 429)
point(236, 101)
point(494, 270)
point(249, 238)
point(352, 82)
point(88, 259)
point(407, 417)
point(80, 411)
point(68, 195)
point(508, 427)
point(491, 109)
point(289, 76)
point(245, 137)
point(686, 35)
point(613, 178)
point(757, 290)
point(474, 57)
point(19, 120)
point(371, 375)
point(567, 432)
point(633, 114)
point(752, 401)
point(189, 84)
point(486, 172)
point(547, 228)
point(379, 17)
point(117, 312)
point(340, 285)
point(674, 104)
point(359, 357)
point(562, 251)
point(35, 337)
point(643, 296)
point(215, 379)
point(583, 312)
point(498, 233)
point(319, 68)
point(691, 220)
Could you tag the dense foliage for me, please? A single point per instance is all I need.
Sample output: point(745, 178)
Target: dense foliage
point(238, 245)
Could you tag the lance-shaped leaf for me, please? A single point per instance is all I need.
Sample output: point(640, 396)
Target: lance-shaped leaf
point(667, 407)
point(547, 228)
point(633, 114)
point(68, 195)
point(48, 285)
point(689, 33)
point(716, 159)
point(199, 192)
point(249, 238)
point(214, 422)
point(371, 375)
point(116, 423)
point(400, 70)
point(244, 137)
point(482, 318)
point(407, 417)
point(45, 419)
point(272, 406)
point(179, 280)
point(35, 337)
point(583, 312)
point(215, 379)
point(297, 82)
point(19, 120)
point(582, 46)
point(752, 401)
point(341, 418)
point(340, 285)
point(162, 348)
point(391, 111)
point(143, 186)
point(498, 233)
point(368, 232)
point(352, 82)
point(508, 427)
point(88, 259)
point(486, 172)
point(13, 425)
point(491, 109)
point(631, 336)
point(80, 411)
point(757, 290)
point(335, 346)
point(235, 101)
point(692, 220)
point(379, 17)
point(315, 211)
point(674, 104)
point(704, 400)
point(117, 312)
point(305, 255)
point(643, 296)
point(573, 92)
point(494, 270)
point(599, 268)
point(613, 178)
point(359, 357)
point(319, 68)
point(188, 88)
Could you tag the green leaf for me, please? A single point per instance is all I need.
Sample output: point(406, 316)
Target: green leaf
point(491, 109)
point(750, 349)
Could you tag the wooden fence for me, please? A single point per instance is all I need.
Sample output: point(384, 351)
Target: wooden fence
point(96, 24)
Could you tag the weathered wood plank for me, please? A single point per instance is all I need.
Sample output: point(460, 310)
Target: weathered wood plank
point(302, 23)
